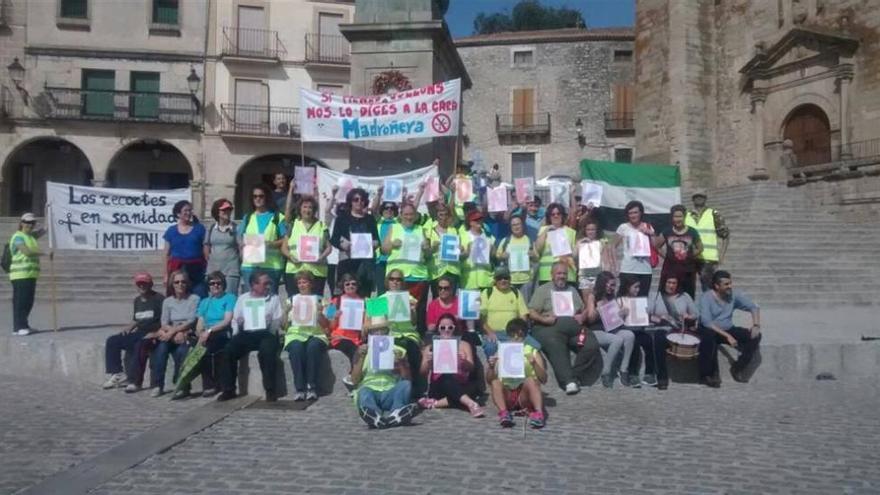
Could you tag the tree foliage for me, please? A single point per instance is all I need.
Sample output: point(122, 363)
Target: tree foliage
point(529, 15)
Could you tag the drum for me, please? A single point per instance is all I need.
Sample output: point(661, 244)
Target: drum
point(683, 346)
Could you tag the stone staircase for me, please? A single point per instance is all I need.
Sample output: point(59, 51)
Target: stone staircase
point(786, 253)
point(783, 253)
point(86, 275)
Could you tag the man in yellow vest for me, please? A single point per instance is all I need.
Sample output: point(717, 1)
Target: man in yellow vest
point(714, 234)
point(24, 270)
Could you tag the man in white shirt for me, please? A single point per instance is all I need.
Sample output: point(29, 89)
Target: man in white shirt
point(255, 323)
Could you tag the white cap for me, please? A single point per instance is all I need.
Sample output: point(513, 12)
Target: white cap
point(28, 217)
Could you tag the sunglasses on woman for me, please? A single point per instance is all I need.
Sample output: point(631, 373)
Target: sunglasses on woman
point(446, 328)
point(179, 282)
point(215, 283)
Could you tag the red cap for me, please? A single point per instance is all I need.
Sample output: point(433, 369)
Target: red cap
point(143, 278)
point(475, 215)
point(226, 205)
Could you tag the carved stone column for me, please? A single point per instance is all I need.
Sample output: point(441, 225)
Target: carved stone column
point(758, 99)
point(844, 77)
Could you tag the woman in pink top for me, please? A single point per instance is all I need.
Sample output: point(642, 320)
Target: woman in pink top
point(454, 389)
point(446, 302)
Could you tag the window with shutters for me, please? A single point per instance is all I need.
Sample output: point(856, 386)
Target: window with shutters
point(144, 100)
point(621, 117)
point(251, 106)
point(97, 92)
point(522, 165)
point(165, 12)
point(523, 107)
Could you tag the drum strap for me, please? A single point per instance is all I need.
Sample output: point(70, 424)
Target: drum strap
point(671, 309)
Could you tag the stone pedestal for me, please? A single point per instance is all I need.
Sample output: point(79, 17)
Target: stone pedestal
point(409, 36)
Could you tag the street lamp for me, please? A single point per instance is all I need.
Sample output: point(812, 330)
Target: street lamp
point(16, 74)
point(193, 82)
point(579, 127)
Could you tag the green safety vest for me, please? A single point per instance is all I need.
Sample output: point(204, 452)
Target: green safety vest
point(296, 333)
point(437, 268)
point(376, 380)
point(705, 226)
point(24, 266)
point(274, 258)
point(545, 264)
point(297, 230)
point(512, 383)
point(476, 276)
point(413, 270)
point(524, 242)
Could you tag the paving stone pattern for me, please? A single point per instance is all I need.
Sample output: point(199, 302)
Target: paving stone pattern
point(53, 425)
point(806, 437)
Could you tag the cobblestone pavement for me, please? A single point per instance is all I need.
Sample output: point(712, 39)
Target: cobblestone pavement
point(51, 425)
point(807, 437)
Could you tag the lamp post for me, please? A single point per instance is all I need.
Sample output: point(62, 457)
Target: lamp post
point(193, 82)
point(579, 127)
point(16, 74)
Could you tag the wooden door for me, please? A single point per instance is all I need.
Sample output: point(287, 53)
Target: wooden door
point(623, 104)
point(810, 132)
point(253, 39)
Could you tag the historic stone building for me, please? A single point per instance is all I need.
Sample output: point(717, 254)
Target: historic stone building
point(544, 100)
point(741, 90)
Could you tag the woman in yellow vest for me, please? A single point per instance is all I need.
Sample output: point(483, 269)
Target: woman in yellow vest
point(306, 343)
point(24, 270)
point(436, 268)
point(407, 248)
point(476, 273)
point(517, 245)
point(310, 234)
point(555, 220)
point(270, 226)
point(406, 333)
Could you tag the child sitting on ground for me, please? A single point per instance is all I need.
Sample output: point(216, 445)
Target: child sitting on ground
point(514, 394)
point(382, 397)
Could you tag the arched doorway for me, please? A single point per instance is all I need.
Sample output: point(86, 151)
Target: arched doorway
point(262, 170)
point(28, 168)
point(149, 164)
point(808, 128)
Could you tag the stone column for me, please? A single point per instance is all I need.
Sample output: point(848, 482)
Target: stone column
point(844, 77)
point(760, 170)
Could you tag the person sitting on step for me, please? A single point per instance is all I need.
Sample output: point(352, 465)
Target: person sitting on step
point(452, 389)
point(306, 344)
point(511, 395)
point(382, 397)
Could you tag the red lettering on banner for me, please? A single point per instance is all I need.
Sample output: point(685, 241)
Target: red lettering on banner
point(318, 113)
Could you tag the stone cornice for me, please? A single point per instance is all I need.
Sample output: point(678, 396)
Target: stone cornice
point(762, 65)
point(153, 56)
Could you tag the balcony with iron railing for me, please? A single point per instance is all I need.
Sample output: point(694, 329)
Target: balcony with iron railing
point(522, 123)
point(620, 122)
point(812, 160)
point(121, 106)
point(327, 49)
point(253, 44)
point(259, 121)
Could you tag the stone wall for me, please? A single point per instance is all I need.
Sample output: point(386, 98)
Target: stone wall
point(572, 80)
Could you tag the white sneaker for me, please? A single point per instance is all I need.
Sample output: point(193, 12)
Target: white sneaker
point(24, 332)
point(572, 388)
point(346, 380)
point(157, 392)
point(115, 380)
point(132, 388)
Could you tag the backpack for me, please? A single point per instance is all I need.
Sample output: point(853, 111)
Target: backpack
point(489, 292)
point(6, 259)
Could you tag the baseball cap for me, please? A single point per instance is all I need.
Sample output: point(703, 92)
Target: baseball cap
point(474, 216)
point(502, 272)
point(28, 217)
point(143, 278)
point(226, 205)
point(699, 192)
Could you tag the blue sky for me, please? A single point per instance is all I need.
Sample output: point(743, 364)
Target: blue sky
point(598, 13)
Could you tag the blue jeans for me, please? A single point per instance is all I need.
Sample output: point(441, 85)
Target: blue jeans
point(305, 361)
point(490, 348)
point(160, 361)
point(387, 401)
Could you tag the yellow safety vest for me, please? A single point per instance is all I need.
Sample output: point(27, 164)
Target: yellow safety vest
point(545, 264)
point(705, 226)
point(274, 258)
point(413, 270)
point(297, 230)
point(476, 276)
point(523, 242)
point(437, 268)
point(24, 266)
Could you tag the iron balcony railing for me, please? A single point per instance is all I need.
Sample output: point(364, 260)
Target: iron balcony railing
point(121, 106)
point(859, 150)
point(522, 123)
point(330, 49)
point(252, 43)
point(258, 120)
point(619, 121)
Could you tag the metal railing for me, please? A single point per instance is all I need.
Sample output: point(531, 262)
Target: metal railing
point(252, 43)
point(522, 123)
point(325, 48)
point(859, 150)
point(258, 120)
point(121, 106)
point(5, 12)
point(5, 102)
point(620, 121)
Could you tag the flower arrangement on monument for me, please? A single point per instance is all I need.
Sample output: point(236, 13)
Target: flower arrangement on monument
point(390, 80)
